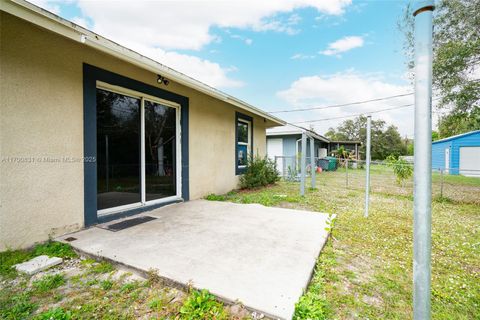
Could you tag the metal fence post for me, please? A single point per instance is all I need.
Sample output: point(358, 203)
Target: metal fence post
point(303, 164)
point(422, 197)
point(276, 164)
point(312, 162)
point(346, 174)
point(367, 181)
point(441, 183)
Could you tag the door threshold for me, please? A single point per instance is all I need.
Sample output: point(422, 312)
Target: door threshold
point(138, 210)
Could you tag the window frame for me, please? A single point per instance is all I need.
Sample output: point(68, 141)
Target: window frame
point(243, 118)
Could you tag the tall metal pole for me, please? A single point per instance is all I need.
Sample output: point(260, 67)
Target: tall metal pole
point(422, 160)
point(367, 181)
point(303, 164)
point(312, 162)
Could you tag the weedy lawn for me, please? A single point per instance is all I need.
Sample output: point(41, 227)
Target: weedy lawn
point(365, 270)
point(82, 288)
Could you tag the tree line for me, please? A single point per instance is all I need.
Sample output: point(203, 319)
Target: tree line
point(456, 62)
point(386, 140)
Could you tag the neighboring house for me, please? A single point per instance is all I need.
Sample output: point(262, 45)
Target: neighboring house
point(352, 146)
point(92, 131)
point(285, 144)
point(458, 154)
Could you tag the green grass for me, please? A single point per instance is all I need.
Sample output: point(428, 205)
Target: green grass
point(456, 179)
point(55, 313)
point(15, 305)
point(202, 305)
point(101, 267)
point(9, 258)
point(366, 270)
point(106, 284)
point(215, 197)
point(89, 296)
point(48, 283)
point(52, 249)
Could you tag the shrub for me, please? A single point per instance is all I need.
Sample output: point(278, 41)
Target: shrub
point(259, 172)
point(402, 169)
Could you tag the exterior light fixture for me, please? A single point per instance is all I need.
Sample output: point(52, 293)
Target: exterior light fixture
point(161, 79)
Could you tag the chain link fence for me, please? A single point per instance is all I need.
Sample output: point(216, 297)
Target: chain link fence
point(449, 184)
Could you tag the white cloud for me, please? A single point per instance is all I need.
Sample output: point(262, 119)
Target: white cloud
point(206, 71)
point(343, 45)
point(187, 24)
point(80, 21)
point(301, 56)
point(284, 26)
point(242, 38)
point(51, 6)
point(346, 87)
point(157, 28)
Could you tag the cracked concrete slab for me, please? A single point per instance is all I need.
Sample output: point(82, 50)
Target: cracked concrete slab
point(260, 256)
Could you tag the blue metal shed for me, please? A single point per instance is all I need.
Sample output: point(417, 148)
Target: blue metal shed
point(458, 154)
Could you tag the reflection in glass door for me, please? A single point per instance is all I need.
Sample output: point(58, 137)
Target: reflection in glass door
point(137, 142)
point(118, 152)
point(160, 147)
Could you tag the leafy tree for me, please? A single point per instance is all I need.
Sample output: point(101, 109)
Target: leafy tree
point(456, 62)
point(384, 141)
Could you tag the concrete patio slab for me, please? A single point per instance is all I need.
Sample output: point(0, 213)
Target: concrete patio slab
point(260, 256)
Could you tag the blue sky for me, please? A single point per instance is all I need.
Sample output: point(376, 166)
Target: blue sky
point(273, 54)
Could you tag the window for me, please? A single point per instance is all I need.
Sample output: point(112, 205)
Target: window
point(137, 143)
point(243, 143)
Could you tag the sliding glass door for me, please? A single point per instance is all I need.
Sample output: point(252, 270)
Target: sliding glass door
point(160, 150)
point(137, 143)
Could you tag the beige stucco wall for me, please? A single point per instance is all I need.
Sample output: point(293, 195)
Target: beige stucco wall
point(41, 116)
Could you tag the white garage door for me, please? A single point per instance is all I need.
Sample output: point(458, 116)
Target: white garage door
point(470, 161)
point(275, 148)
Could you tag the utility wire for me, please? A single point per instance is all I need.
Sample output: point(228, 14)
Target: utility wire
point(344, 104)
point(352, 103)
point(359, 114)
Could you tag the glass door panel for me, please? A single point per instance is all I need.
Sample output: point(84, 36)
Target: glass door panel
point(160, 151)
point(118, 150)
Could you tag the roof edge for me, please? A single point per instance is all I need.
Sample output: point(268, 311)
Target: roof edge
point(456, 136)
point(299, 131)
point(48, 20)
point(347, 141)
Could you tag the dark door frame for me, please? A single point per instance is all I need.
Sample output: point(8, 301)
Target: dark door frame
point(91, 75)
